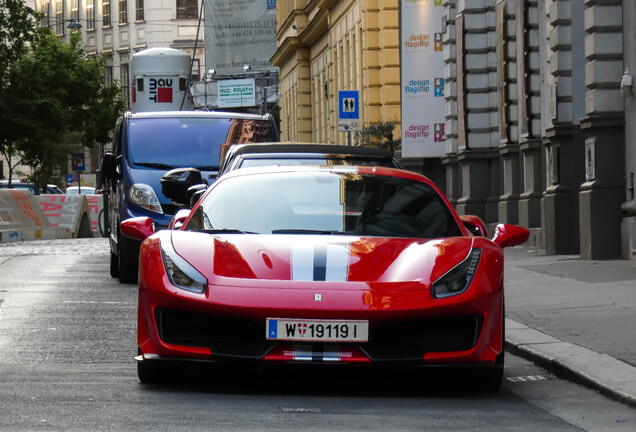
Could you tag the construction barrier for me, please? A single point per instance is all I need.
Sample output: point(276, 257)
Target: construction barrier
point(21, 218)
point(95, 209)
point(68, 211)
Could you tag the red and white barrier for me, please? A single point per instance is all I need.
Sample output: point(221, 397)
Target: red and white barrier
point(68, 211)
point(21, 218)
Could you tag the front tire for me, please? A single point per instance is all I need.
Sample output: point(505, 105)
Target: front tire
point(114, 265)
point(489, 380)
point(149, 372)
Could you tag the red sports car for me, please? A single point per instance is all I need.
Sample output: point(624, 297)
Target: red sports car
point(357, 265)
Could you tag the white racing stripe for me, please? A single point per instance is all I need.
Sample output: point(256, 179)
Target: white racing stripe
point(320, 262)
point(302, 262)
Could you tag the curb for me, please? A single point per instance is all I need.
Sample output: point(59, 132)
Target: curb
point(605, 374)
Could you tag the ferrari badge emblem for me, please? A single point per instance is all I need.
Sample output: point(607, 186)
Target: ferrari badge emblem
point(317, 297)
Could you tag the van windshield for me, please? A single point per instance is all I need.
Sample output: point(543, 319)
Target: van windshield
point(166, 143)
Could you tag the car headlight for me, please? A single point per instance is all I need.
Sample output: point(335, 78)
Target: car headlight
point(145, 197)
point(180, 272)
point(458, 279)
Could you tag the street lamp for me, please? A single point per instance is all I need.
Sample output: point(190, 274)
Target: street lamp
point(74, 24)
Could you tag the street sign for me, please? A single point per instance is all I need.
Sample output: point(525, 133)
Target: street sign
point(237, 93)
point(348, 110)
point(78, 162)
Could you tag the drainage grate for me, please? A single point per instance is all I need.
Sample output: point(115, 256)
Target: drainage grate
point(528, 378)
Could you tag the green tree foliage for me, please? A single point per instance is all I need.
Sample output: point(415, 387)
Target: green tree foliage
point(55, 101)
point(380, 134)
point(18, 30)
point(18, 24)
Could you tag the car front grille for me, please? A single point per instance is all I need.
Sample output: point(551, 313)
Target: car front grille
point(395, 341)
point(225, 336)
point(411, 340)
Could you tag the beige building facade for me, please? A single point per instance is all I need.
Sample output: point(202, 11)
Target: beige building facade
point(328, 46)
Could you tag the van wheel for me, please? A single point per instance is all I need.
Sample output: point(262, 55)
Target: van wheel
point(127, 272)
point(114, 265)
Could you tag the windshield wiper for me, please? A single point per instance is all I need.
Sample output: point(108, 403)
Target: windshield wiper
point(153, 165)
point(308, 231)
point(225, 231)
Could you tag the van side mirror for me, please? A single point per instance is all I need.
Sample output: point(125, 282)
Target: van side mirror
point(109, 166)
point(175, 183)
point(194, 193)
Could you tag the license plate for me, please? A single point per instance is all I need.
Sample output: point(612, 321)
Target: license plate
point(317, 330)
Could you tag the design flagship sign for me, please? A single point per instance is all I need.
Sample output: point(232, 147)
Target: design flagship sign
point(423, 111)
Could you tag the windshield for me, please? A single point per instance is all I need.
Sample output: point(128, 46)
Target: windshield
point(325, 203)
point(165, 143)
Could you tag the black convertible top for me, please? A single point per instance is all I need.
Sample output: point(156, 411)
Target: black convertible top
point(311, 148)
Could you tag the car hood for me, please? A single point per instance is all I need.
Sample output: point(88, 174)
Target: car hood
point(152, 177)
point(320, 257)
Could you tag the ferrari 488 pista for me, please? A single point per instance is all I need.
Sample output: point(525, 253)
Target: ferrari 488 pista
point(348, 265)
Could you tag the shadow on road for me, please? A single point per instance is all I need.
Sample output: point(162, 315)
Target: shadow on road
point(317, 380)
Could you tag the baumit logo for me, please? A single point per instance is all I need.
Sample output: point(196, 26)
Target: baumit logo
point(160, 90)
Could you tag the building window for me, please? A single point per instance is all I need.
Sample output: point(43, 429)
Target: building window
point(139, 9)
point(123, 11)
point(45, 9)
point(125, 82)
point(109, 75)
point(59, 17)
point(196, 70)
point(75, 10)
point(90, 14)
point(106, 13)
point(187, 9)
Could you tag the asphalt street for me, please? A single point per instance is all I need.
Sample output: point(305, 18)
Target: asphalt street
point(67, 341)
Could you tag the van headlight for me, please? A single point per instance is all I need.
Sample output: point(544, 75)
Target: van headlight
point(180, 272)
point(458, 279)
point(145, 197)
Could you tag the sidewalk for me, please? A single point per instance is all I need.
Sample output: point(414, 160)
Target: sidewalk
point(575, 318)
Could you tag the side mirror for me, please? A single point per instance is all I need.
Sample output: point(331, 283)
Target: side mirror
point(510, 235)
point(195, 197)
point(194, 193)
point(138, 227)
point(109, 165)
point(178, 219)
point(475, 225)
point(175, 183)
